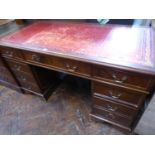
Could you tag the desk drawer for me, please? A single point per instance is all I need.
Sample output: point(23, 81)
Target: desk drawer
point(72, 66)
point(115, 107)
point(68, 65)
point(24, 77)
point(38, 58)
point(109, 116)
point(12, 53)
point(16, 66)
point(118, 94)
point(127, 78)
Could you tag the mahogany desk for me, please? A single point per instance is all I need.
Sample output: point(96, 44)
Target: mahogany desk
point(119, 61)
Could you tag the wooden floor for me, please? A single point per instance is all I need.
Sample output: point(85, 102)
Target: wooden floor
point(66, 112)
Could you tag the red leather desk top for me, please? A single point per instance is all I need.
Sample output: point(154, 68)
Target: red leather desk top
point(120, 45)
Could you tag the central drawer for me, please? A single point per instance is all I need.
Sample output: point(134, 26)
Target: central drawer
point(64, 64)
point(118, 94)
point(72, 66)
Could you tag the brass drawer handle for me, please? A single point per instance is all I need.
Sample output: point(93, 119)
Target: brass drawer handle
point(17, 67)
point(35, 57)
point(110, 108)
point(115, 95)
point(109, 115)
point(70, 68)
point(116, 79)
point(9, 53)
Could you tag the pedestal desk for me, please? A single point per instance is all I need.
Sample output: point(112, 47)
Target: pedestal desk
point(119, 61)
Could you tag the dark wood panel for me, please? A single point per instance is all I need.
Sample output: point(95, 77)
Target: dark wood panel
point(17, 66)
point(34, 79)
point(24, 77)
point(68, 65)
point(6, 75)
point(112, 117)
point(115, 107)
point(118, 94)
point(11, 52)
point(121, 77)
point(38, 58)
point(73, 66)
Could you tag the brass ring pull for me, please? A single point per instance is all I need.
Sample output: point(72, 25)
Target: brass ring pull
point(109, 115)
point(35, 57)
point(115, 96)
point(67, 66)
point(70, 68)
point(111, 108)
point(9, 53)
point(23, 78)
point(17, 67)
point(116, 79)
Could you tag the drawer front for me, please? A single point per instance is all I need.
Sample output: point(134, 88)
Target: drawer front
point(130, 79)
point(72, 66)
point(114, 107)
point(118, 94)
point(38, 58)
point(16, 66)
point(24, 77)
point(112, 117)
point(11, 53)
point(68, 65)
